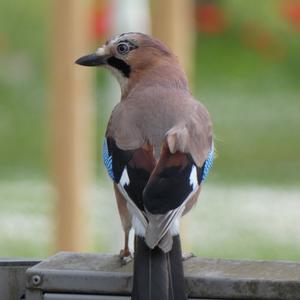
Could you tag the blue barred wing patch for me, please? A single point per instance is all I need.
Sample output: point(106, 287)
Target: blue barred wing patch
point(208, 163)
point(107, 159)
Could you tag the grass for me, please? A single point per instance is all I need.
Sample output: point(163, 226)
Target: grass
point(240, 222)
point(246, 222)
point(23, 88)
point(255, 106)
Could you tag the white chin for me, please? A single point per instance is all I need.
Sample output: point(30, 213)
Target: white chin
point(120, 77)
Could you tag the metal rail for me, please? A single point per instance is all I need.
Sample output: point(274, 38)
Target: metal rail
point(12, 278)
point(75, 276)
point(97, 276)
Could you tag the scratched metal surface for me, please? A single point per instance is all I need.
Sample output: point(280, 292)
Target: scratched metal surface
point(96, 274)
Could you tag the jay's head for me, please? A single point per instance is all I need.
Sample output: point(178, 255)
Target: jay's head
point(129, 54)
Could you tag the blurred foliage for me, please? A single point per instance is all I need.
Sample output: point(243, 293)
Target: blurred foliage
point(255, 11)
point(255, 107)
point(249, 77)
point(253, 223)
point(247, 74)
point(24, 43)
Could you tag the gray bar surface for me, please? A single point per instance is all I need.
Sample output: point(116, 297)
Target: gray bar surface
point(12, 278)
point(82, 297)
point(90, 297)
point(205, 278)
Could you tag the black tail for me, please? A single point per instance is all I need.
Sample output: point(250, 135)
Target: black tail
point(158, 275)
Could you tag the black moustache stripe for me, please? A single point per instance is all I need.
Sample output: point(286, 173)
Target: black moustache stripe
point(120, 65)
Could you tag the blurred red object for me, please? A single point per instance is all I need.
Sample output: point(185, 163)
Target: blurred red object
point(4, 43)
point(256, 37)
point(290, 10)
point(210, 18)
point(101, 21)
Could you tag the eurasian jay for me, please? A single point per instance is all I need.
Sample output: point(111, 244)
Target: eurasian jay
point(158, 149)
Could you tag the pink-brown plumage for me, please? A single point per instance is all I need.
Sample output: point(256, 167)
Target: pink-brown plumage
point(158, 141)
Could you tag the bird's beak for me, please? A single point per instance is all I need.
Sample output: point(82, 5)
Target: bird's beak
point(92, 60)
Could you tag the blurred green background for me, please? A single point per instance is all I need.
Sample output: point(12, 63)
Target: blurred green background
point(247, 73)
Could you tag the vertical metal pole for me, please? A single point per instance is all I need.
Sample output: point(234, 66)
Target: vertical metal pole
point(71, 102)
point(172, 21)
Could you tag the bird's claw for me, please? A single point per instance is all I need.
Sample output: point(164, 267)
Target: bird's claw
point(125, 256)
point(126, 260)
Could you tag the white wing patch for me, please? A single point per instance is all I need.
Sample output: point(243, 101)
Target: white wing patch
point(124, 180)
point(193, 178)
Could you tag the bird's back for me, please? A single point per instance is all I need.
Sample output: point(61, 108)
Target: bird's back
point(149, 113)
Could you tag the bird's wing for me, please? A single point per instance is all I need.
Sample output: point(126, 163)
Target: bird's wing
point(185, 160)
point(158, 191)
point(174, 181)
point(123, 127)
point(130, 170)
point(193, 135)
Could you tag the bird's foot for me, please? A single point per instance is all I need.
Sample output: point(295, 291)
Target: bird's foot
point(186, 256)
point(125, 256)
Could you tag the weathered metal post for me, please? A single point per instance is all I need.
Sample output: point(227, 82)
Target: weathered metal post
point(88, 276)
point(172, 22)
point(70, 118)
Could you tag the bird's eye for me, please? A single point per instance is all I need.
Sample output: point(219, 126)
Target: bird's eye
point(123, 48)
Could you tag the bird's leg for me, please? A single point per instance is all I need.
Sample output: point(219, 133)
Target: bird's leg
point(125, 254)
point(125, 251)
